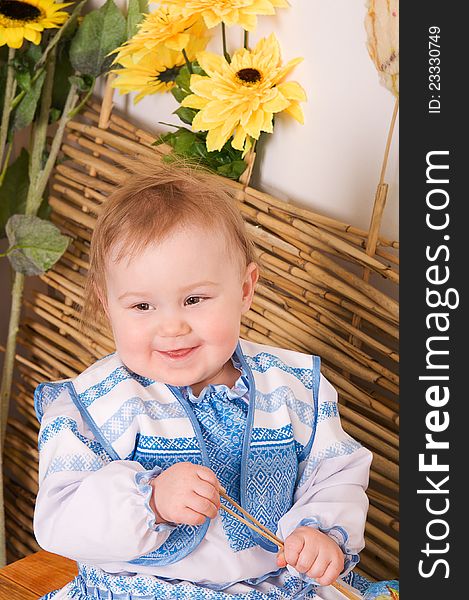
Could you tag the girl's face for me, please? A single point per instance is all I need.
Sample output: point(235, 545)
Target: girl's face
point(175, 309)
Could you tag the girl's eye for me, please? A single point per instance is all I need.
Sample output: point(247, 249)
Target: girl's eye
point(192, 300)
point(142, 307)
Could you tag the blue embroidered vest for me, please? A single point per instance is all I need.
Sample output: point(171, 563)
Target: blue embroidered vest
point(135, 418)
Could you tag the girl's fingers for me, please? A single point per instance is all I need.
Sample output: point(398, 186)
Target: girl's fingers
point(202, 505)
point(208, 475)
point(206, 490)
point(331, 573)
point(281, 562)
point(292, 549)
point(307, 559)
point(318, 568)
point(191, 517)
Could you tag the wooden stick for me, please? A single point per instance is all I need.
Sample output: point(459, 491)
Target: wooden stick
point(262, 530)
point(252, 526)
point(378, 207)
point(275, 539)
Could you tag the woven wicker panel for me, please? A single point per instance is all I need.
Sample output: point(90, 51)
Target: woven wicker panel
point(310, 298)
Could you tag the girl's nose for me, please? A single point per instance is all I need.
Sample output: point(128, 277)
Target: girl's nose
point(172, 326)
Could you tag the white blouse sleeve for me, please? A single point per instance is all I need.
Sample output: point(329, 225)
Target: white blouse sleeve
point(330, 493)
point(89, 507)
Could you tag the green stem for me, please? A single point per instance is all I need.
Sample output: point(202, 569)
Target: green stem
point(10, 87)
point(246, 39)
point(188, 62)
point(34, 198)
point(223, 37)
point(5, 164)
point(9, 359)
point(75, 110)
point(70, 103)
point(3, 550)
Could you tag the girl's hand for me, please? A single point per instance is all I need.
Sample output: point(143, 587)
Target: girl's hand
point(312, 552)
point(185, 493)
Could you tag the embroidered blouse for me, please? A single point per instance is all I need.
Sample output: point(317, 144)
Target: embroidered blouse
point(78, 506)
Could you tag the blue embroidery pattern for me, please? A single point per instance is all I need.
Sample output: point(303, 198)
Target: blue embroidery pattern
point(264, 361)
point(59, 424)
point(44, 395)
point(174, 545)
point(271, 402)
point(120, 421)
point(106, 385)
point(273, 468)
point(222, 423)
point(328, 410)
point(74, 462)
point(154, 451)
point(337, 449)
point(92, 582)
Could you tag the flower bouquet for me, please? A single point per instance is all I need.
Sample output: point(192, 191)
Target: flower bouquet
point(228, 100)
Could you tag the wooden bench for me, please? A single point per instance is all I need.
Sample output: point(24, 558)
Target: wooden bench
point(33, 576)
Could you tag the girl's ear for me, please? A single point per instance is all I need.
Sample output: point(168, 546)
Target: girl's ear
point(249, 285)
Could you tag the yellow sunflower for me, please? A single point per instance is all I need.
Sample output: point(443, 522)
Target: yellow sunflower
point(241, 97)
point(230, 12)
point(166, 26)
point(25, 20)
point(152, 73)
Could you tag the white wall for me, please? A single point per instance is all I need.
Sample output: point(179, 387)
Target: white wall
point(332, 163)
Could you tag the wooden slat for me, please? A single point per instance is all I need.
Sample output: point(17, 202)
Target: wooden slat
point(9, 590)
point(37, 574)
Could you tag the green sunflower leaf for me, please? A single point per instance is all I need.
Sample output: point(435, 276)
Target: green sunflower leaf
point(14, 191)
point(178, 93)
point(136, 10)
point(63, 70)
point(183, 80)
point(183, 142)
point(35, 245)
point(197, 69)
point(186, 114)
point(233, 170)
point(23, 79)
point(24, 112)
point(102, 31)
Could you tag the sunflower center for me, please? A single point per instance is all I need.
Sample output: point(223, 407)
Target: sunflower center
point(249, 76)
point(169, 74)
point(19, 11)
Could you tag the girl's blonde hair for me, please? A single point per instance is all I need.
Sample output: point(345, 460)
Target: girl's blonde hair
point(153, 201)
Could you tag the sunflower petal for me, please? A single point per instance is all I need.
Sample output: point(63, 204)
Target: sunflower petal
point(215, 139)
point(296, 112)
point(14, 36)
point(211, 63)
point(211, 18)
point(292, 91)
point(194, 101)
point(239, 139)
point(277, 104)
point(32, 36)
point(254, 124)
